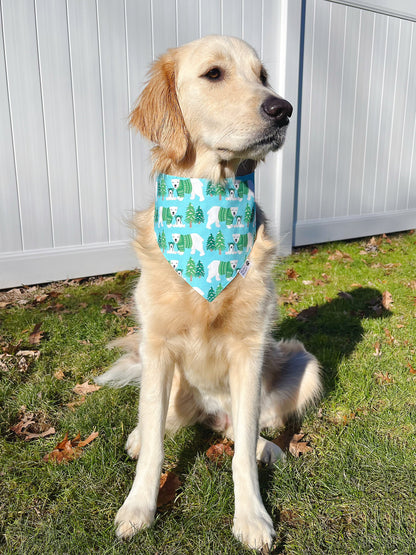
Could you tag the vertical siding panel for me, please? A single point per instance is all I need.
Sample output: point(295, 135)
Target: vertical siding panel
point(164, 25)
point(397, 107)
point(399, 122)
point(27, 122)
point(411, 199)
point(347, 111)
point(10, 229)
point(115, 112)
point(58, 116)
point(188, 20)
point(317, 107)
point(333, 115)
point(139, 18)
point(252, 24)
point(386, 115)
point(210, 17)
point(405, 178)
point(306, 111)
point(361, 90)
point(270, 41)
point(373, 117)
point(267, 187)
point(83, 36)
point(232, 17)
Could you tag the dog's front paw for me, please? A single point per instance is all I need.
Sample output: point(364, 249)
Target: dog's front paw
point(133, 443)
point(131, 518)
point(268, 452)
point(254, 530)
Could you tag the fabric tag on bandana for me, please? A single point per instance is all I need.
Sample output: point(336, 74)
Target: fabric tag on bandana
point(206, 230)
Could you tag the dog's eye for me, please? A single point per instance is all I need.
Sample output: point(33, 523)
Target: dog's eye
point(263, 77)
point(214, 74)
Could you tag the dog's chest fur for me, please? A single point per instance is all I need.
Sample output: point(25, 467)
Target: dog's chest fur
point(204, 339)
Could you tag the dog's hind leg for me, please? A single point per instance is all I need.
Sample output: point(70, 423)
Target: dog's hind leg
point(139, 507)
point(290, 382)
point(268, 452)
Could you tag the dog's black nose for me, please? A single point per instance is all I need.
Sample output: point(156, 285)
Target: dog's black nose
point(278, 109)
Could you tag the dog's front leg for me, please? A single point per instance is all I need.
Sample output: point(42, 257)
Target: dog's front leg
point(252, 524)
point(139, 508)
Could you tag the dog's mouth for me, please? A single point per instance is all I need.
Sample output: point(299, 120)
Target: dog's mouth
point(270, 140)
point(274, 139)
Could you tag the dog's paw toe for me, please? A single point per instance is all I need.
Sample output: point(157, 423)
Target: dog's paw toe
point(133, 444)
point(254, 531)
point(130, 519)
point(269, 453)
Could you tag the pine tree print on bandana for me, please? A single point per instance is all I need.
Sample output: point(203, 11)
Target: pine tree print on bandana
point(205, 230)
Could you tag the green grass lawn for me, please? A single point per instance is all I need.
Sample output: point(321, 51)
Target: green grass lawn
point(353, 304)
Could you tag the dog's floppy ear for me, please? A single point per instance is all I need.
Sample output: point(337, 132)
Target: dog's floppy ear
point(157, 114)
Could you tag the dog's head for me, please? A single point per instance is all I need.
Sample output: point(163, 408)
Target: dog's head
point(211, 98)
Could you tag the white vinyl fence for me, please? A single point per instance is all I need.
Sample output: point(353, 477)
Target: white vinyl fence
point(356, 164)
point(71, 172)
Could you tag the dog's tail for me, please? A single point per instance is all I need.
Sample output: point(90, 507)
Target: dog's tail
point(127, 370)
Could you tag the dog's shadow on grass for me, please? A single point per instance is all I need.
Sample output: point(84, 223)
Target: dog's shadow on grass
point(332, 331)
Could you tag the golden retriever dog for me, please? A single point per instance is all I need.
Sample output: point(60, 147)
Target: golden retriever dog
point(211, 114)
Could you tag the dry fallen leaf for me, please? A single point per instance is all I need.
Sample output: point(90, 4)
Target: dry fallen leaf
point(116, 296)
point(123, 310)
point(169, 484)
point(383, 379)
point(50, 431)
point(107, 309)
point(289, 299)
point(372, 245)
point(298, 446)
point(217, 452)
point(40, 298)
point(83, 388)
point(32, 425)
point(387, 300)
point(291, 273)
point(21, 360)
point(76, 403)
point(59, 374)
point(290, 518)
point(283, 439)
point(132, 329)
point(389, 337)
point(28, 353)
point(36, 335)
point(292, 312)
point(338, 255)
point(69, 449)
point(411, 369)
point(11, 349)
point(342, 418)
point(377, 349)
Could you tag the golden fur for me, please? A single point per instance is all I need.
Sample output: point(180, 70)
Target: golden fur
point(199, 361)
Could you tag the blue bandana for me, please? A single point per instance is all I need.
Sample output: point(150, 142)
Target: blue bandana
point(206, 230)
